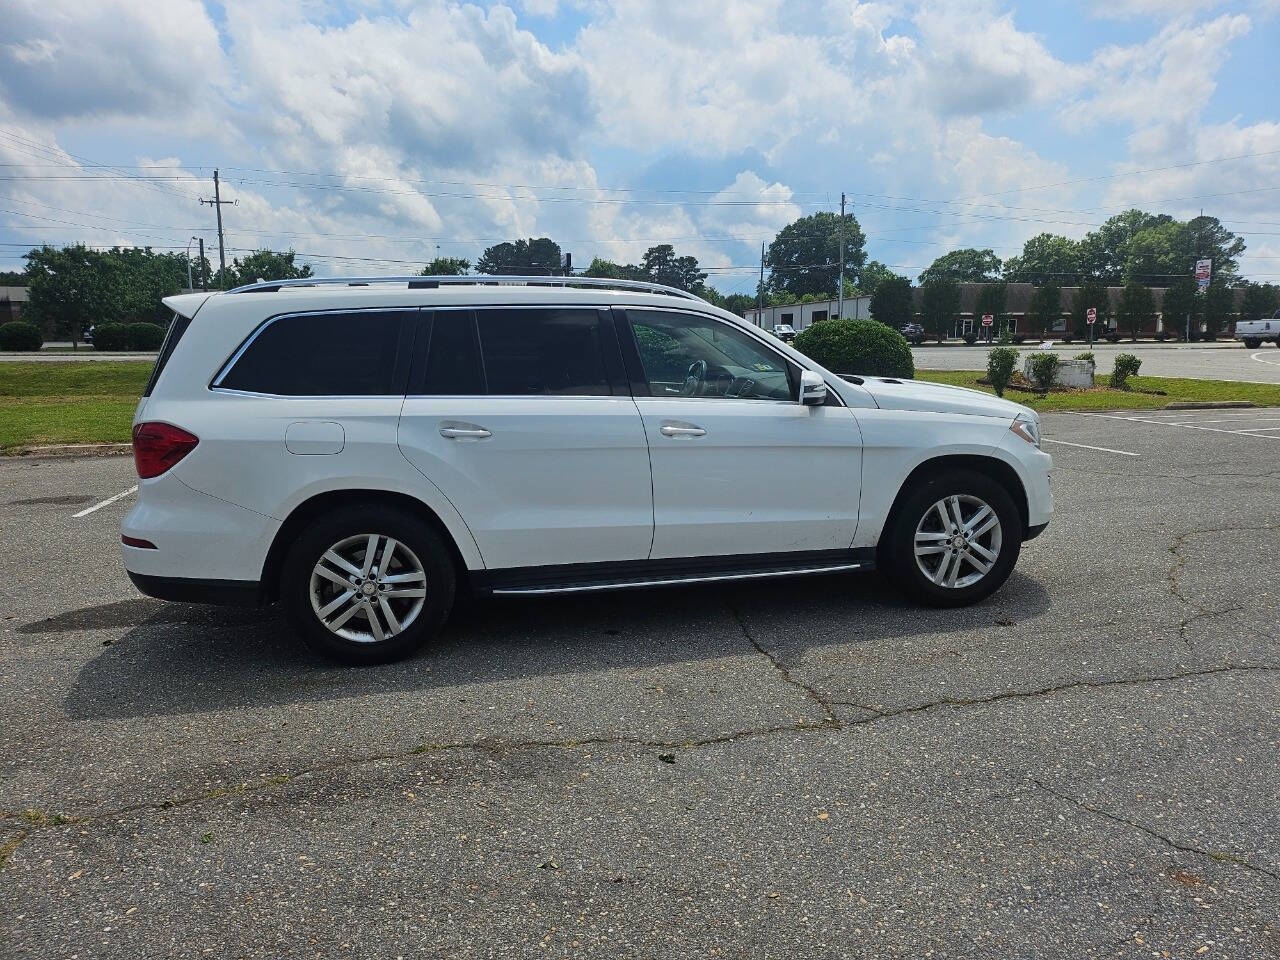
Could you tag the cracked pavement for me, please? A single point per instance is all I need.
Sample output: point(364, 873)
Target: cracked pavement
point(1082, 766)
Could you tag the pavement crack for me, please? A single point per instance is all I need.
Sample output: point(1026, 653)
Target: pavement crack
point(1047, 691)
point(1180, 561)
point(831, 720)
point(1219, 856)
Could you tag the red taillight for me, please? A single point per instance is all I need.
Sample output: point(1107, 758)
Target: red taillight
point(158, 446)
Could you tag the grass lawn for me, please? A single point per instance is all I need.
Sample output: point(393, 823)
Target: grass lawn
point(1177, 390)
point(86, 402)
point(89, 402)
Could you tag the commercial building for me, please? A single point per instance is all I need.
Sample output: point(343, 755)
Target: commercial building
point(802, 315)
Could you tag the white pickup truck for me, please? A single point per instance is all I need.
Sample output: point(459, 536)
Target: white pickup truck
point(1255, 333)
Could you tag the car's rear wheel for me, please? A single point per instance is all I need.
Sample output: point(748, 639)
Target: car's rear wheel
point(953, 540)
point(1252, 343)
point(367, 584)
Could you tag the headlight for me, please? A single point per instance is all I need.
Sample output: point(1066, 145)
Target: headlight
point(1027, 426)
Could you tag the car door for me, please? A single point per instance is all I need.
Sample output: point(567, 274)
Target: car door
point(740, 466)
point(523, 418)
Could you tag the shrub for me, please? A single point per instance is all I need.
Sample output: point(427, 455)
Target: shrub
point(20, 336)
point(1000, 363)
point(143, 336)
point(971, 338)
point(111, 336)
point(1113, 338)
point(1044, 369)
point(865, 347)
point(1126, 366)
point(1085, 356)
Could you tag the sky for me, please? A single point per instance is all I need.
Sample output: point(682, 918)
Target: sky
point(373, 136)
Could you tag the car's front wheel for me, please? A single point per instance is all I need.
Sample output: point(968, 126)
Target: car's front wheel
point(367, 584)
point(953, 540)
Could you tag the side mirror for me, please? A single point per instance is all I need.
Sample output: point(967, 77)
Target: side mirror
point(813, 389)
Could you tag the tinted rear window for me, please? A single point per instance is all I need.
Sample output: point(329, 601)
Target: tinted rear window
point(517, 352)
point(177, 327)
point(328, 354)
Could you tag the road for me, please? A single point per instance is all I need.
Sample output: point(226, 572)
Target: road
point(1219, 361)
point(1082, 766)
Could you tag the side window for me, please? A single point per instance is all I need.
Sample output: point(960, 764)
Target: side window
point(453, 356)
point(548, 352)
point(325, 354)
point(690, 356)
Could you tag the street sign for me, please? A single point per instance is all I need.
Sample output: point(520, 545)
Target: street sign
point(1204, 271)
point(988, 319)
point(1091, 315)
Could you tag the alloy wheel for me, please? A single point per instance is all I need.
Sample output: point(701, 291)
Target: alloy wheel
point(368, 588)
point(957, 541)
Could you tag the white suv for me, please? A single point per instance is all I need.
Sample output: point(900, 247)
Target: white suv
point(360, 450)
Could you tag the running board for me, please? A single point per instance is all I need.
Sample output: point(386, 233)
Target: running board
point(586, 578)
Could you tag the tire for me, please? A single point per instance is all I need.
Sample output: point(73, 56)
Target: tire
point(1252, 343)
point(917, 511)
point(418, 593)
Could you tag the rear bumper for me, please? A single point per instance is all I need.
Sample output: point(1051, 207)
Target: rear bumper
point(234, 593)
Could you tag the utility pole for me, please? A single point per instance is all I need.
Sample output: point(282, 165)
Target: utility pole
point(204, 277)
point(840, 292)
point(217, 203)
point(760, 290)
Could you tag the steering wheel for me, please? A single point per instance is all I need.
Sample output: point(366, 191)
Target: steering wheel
point(693, 378)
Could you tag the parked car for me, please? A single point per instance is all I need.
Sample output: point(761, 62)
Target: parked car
point(361, 451)
point(1255, 333)
point(914, 332)
point(784, 331)
point(86, 335)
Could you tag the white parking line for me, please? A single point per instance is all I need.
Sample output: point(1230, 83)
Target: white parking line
point(1174, 423)
point(107, 502)
point(1068, 443)
point(1261, 359)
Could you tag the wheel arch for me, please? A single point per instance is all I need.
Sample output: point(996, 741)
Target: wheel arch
point(321, 503)
point(993, 467)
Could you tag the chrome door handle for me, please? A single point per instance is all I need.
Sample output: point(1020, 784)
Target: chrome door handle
point(681, 430)
point(464, 433)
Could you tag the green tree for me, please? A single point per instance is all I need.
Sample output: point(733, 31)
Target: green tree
point(968, 266)
point(661, 265)
point(992, 299)
point(1046, 259)
point(608, 270)
point(869, 278)
point(69, 288)
point(1208, 238)
point(261, 265)
point(533, 257)
point(1046, 308)
point(1136, 309)
point(939, 305)
point(1218, 304)
point(805, 255)
point(446, 267)
point(891, 304)
point(1104, 253)
point(1090, 294)
point(1180, 302)
point(1260, 300)
point(13, 278)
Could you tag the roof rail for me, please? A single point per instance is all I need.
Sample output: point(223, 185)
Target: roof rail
point(429, 282)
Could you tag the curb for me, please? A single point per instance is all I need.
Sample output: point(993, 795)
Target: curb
point(74, 450)
point(1209, 405)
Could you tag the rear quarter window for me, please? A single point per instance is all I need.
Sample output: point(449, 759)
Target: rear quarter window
point(177, 327)
point(357, 353)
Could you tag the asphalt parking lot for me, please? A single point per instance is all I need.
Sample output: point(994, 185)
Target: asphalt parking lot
point(1083, 766)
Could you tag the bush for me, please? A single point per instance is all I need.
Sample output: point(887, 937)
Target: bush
point(111, 336)
point(1113, 338)
point(1000, 364)
point(1085, 356)
point(1044, 369)
point(20, 336)
point(1126, 366)
point(143, 336)
point(971, 338)
point(865, 347)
